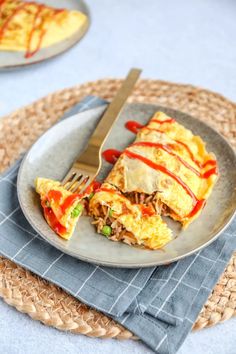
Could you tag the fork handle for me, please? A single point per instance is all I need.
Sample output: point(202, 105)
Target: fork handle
point(110, 116)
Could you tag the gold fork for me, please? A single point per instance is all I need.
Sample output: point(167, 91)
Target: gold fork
point(87, 166)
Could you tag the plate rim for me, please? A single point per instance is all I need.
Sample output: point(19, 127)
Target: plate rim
point(108, 263)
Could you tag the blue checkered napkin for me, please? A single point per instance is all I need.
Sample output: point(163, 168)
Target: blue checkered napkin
point(158, 304)
point(174, 295)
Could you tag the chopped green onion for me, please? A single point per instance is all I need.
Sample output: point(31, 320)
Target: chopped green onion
point(47, 204)
point(77, 211)
point(106, 230)
point(111, 211)
point(90, 195)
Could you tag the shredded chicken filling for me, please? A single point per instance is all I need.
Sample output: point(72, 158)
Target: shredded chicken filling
point(146, 199)
point(101, 214)
point(118, 232)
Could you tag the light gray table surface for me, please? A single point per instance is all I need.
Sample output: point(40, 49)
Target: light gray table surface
point(183, 41)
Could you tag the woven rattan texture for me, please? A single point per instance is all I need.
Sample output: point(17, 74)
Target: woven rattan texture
point(46, 302)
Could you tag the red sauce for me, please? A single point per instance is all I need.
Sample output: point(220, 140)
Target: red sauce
point(163, 169)
point(209, 162)
point(147, 210)
point(55, 195)
point(212, 171)
point(170, 120)
point(52, 220)
point(198, 206)
point(93, 187)
point(133, 126)
point(69, 201)
point(111, 155)
point(96, 185)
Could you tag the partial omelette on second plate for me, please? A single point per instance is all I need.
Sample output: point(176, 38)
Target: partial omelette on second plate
point(30, 26)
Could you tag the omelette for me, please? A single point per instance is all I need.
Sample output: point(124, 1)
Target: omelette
point(168, 170)
point(61, 208)
point(30, 26)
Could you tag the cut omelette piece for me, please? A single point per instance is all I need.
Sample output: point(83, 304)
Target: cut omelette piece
point(121, 220)
point(30, 26)
point(168, 166)
point(61, 208)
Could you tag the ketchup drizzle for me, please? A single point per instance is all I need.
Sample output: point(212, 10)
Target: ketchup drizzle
point(69, 201)
point(212, 171)
point(111, 155)
point(167, 148)
point(147, 210)
point(209, 162)
point(55, 195)
point(131, 125)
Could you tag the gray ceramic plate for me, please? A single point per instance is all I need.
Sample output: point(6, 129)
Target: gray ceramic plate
point(12, 59)
point(54, 152)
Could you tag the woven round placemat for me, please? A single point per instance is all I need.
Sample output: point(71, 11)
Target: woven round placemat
point(46, 302)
